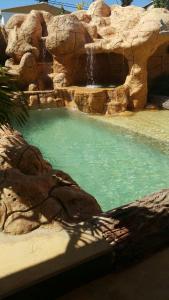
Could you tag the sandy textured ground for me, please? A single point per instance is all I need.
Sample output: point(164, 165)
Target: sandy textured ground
point(154, 124)
point(25, 259)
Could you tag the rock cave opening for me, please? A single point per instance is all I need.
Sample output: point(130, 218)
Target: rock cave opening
point(158, 72)
point(45, 66)
point(103, 69)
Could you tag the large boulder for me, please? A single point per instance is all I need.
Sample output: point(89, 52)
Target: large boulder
point(32, 193)
point(99, 8)
point(24, 33)
point(25, 46)
point(66, 35)
point(28, 68)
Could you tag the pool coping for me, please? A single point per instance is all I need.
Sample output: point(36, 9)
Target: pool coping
point(30, 258)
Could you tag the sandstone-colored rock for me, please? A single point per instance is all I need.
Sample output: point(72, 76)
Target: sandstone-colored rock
point(32, 87)
point(151, 107)
point(91, 102)
point(33, 101)
point(70, 39)
point(59, 102)
point(92, 31)
point(82, 16)
point(50, 100)
point(60, 80)
point(32, 193)
point(118, 100)
point(16, 153)
point(64, 42)
point(23, 38)
point(9, 63)
point(99, 8)
point(64, 45)
point(54, 102)
point(15, 21)
point(24, 34)
point(28, 69)
point(43, 101)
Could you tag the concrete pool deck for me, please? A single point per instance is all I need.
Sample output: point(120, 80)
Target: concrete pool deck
point(30, 258)
point(150, 123)
point(148, 280)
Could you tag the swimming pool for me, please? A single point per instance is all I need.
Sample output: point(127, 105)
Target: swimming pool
point(113, 165)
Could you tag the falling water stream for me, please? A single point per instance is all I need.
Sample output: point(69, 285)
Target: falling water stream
point(43, 43)
point(90, 68)
point(91, 62)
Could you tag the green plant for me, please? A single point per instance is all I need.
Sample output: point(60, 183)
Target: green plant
point(161, 3)
point(126, 2)
point(62, 10)
point(13, 106)
point(80, 5)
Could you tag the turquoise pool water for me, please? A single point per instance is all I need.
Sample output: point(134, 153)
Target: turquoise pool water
point(113, 165)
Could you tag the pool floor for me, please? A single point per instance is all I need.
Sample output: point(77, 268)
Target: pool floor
point(113, 165)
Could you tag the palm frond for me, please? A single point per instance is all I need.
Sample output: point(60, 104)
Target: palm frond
point(13, 104)
point(126, 2)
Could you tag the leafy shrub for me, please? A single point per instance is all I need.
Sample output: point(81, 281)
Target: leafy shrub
point(161, 3)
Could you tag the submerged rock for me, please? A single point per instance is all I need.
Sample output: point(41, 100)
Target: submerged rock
point(32, 193)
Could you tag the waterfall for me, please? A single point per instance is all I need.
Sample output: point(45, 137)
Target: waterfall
point(43, 45)
point(90, 67)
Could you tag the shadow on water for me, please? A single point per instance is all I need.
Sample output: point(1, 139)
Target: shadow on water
point(49, 115)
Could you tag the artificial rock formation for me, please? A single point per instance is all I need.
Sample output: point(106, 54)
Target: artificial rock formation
point(32, 193)
point(138, 229)
point(125, 44)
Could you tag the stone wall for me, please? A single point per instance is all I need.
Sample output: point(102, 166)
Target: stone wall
point(89, 100)
point(44, 99)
